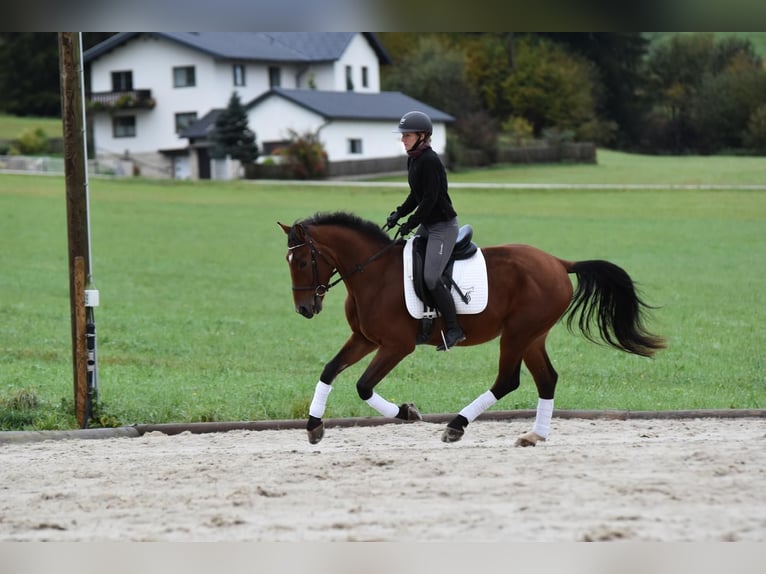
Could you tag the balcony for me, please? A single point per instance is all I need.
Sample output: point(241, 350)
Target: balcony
point(122, 100)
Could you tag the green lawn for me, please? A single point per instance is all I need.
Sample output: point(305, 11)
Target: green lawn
point(196, 321)
point(11, 127)
point(758, 39)
point(619, 168)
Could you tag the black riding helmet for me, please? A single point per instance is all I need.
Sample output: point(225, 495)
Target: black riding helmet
point(415, 122)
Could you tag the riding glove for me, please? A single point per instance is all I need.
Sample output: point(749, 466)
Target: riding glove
point(392, 218)
point(406, 228)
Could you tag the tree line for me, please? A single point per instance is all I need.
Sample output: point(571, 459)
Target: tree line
point(690, 93)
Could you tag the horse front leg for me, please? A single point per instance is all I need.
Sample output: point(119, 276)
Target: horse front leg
point(356, 348)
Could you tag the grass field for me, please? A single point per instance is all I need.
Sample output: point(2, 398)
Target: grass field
point(11, 127)
point(196, 321)
point(758, 39)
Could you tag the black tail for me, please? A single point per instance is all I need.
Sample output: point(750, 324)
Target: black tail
point(606, 295)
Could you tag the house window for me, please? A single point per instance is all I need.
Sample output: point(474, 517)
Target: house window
point(122, 81)
point(349, 79)
point(124, 126)
point(183, 77)
point(275, 77)
point(365, 77)
point(184, 120)
point(355, 146)
point(239, 74)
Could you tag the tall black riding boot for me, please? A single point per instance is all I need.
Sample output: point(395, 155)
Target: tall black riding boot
point(446, 306)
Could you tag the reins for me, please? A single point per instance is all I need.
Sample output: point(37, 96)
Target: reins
point(319, 288)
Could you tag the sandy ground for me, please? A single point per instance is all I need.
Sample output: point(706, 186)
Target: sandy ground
point(601, 480)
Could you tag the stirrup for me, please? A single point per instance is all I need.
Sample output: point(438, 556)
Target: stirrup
point(458, 337)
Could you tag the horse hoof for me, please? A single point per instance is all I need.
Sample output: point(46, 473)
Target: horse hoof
point(410, 412)
point(452, 435)
point(413, 414)
point(529, 439)
point(316, 434)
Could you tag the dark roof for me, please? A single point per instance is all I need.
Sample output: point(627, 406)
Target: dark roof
point(382, 106)
point(354, 105)
point(203, 126)
point(260, 46)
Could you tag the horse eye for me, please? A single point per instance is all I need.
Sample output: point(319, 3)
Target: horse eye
point(302, 264)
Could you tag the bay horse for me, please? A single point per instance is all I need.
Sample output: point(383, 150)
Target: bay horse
point(529, 291)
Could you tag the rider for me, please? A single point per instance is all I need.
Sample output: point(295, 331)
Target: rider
point(433, 212)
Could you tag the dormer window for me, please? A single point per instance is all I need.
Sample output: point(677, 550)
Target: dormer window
point(349, 79)
point(275, 77)
point(239, 74)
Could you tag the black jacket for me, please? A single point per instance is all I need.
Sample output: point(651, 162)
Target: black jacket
point(428, 190)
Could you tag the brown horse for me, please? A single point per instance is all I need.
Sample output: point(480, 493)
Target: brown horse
point(529, 291)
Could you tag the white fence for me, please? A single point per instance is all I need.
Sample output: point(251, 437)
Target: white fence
point(55, 165)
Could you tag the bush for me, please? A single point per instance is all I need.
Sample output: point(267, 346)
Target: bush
point(755, 135)
point(453, 152)
point(520, 130)
point(30, 142)
point(600, 132)
point(478, 133)
point(305, 156)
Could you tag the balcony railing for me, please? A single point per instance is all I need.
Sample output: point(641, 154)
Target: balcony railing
point(122, 100)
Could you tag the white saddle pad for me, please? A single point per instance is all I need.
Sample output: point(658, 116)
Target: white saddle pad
point(469, 274)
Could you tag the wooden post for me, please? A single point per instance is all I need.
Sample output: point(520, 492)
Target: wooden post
point(80, 351)
point(76, 204)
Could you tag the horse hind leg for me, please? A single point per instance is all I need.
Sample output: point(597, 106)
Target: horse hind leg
point(508, 380)
point(537, 361)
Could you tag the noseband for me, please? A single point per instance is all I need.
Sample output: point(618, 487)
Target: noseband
point(318, 288)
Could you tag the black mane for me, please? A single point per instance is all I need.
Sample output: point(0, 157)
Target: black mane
point(351, 221)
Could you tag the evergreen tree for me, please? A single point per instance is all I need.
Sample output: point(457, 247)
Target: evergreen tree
point(29, 74)
point(232, 136)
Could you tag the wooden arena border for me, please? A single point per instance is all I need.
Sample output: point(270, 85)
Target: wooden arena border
point(133, 431)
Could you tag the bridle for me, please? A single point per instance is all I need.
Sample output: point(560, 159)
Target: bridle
point(321, 289)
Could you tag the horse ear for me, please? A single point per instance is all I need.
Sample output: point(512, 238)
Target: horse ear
point(285, 228)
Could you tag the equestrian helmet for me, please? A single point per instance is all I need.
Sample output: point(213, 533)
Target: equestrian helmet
point(415, 122)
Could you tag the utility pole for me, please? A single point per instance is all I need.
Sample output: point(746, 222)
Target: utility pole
point(82, 297)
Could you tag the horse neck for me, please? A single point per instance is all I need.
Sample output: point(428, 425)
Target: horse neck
point(344, 248)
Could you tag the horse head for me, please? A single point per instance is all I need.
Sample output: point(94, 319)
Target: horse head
point(309, 271)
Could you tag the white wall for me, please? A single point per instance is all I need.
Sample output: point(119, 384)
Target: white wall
point(358, 53)
point(152, 59)
point(377, 140)
point(272, 119)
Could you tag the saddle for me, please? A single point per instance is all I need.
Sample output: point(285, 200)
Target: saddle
point(464, 249)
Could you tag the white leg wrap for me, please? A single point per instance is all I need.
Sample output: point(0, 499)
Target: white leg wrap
point(384, 407)
point(542, 424)
point(319, 401)
point(478, 406)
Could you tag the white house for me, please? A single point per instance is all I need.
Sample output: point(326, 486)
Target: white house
point(153, 97)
